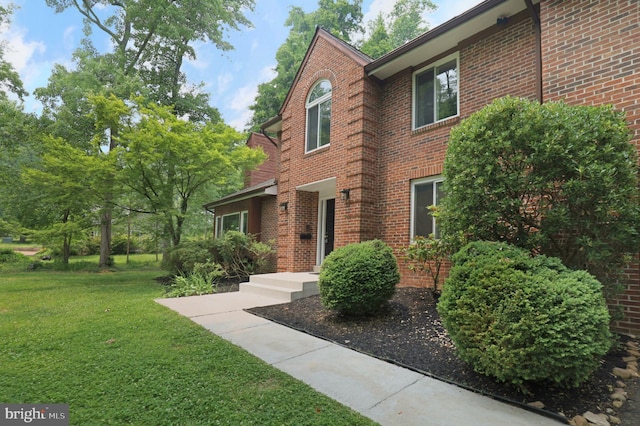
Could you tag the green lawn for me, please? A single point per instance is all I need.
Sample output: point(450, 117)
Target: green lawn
point(98, 342)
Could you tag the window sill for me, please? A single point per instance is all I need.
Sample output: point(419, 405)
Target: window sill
point(317, 150)
point(443, 123)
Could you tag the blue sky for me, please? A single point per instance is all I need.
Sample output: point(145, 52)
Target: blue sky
point(38, 38)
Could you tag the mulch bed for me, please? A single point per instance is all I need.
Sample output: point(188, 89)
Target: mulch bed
point(408, 332)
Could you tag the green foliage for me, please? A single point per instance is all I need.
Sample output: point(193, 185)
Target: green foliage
point(520, 318)
point(559, 179)
point(342, 18)
point(358, 279)
point(428, 255)
point(181, 260)
point(169, 160)
point(7, 255)
point(403, 23)
point(202, 280)
point(9, 78)
point(239, 255)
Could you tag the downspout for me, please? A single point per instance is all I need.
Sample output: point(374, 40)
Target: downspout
point(536, 24)
point(268, 137)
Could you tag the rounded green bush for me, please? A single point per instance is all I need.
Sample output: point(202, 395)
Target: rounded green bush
point(520, 318)
point(358, 279)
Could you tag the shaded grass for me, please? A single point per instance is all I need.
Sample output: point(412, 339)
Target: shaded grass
point(98, 342)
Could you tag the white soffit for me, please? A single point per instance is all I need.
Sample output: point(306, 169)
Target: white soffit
point(444, 40)
point(326, 187)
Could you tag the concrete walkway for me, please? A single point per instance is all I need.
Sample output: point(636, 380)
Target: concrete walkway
point(385, 393)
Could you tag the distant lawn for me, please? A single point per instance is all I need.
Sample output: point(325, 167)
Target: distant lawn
point(98, 342)
point(79, 263)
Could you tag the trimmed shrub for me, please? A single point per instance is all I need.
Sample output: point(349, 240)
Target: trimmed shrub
point(520, 318)
point(358, 279)
point(555, 178)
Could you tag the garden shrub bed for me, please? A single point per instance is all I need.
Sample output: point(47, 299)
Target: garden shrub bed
point(409, 332)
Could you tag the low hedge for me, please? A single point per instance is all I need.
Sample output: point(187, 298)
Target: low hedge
point(358, 279)
point(520, 318)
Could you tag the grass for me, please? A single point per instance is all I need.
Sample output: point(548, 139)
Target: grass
point(98, 342)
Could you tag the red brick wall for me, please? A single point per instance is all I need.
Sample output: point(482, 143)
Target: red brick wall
point(497, 63)
point(591, 55)
point(350, 158)
point(266, 170)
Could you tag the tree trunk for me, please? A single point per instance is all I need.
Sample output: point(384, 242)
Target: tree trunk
point(107, 213)
point(105, 236)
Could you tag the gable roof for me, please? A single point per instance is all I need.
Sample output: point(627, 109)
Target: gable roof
point(344, 47)
point(440, 39)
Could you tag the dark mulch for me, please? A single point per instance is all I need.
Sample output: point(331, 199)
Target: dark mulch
point(408, 332)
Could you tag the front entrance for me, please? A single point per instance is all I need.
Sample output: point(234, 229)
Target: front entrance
point(326, 228)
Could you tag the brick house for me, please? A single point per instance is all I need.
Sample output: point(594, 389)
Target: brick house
point(362, 141)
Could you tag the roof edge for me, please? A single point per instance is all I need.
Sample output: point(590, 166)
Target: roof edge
point(433, 33)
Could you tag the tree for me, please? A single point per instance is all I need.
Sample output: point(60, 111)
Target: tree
point(341, 17)
point(556, 179)
point(344, 20)
point(151, 38)
point(167, 161)
point(9, 78)
point(67, 178)
point(405, 22)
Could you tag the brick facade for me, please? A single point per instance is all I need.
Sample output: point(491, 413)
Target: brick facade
point(585, 52)
point(269, 168)
point(591, 56)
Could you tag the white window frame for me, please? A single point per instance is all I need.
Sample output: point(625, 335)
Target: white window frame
point(434, 180)
point(243, 222)
point(311, 104)
point(414, 98)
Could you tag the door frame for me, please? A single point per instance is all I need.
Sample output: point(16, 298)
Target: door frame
point(322, 224)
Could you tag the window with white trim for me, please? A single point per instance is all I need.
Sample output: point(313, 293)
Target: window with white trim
point(424, 194)
point(435, 92)
point(319, 115)
point(232, 222)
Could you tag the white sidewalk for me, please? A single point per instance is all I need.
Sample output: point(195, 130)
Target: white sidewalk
point(383, 392)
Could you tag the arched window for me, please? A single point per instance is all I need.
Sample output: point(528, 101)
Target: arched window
point(319, 115)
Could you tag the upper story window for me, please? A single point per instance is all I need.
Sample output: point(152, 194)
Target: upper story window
point(319, 115)
point(435, 92)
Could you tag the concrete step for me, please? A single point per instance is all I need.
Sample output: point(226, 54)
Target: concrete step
point(285, 286)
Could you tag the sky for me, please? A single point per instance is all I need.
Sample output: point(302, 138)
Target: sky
point(38, 38)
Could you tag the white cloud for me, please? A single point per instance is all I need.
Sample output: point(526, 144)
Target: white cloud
point(377, 7)
point(268, 73)
point(240, 122)
point(18, 51)
point(243, 97)
point(224, 80)
point(449, 9)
